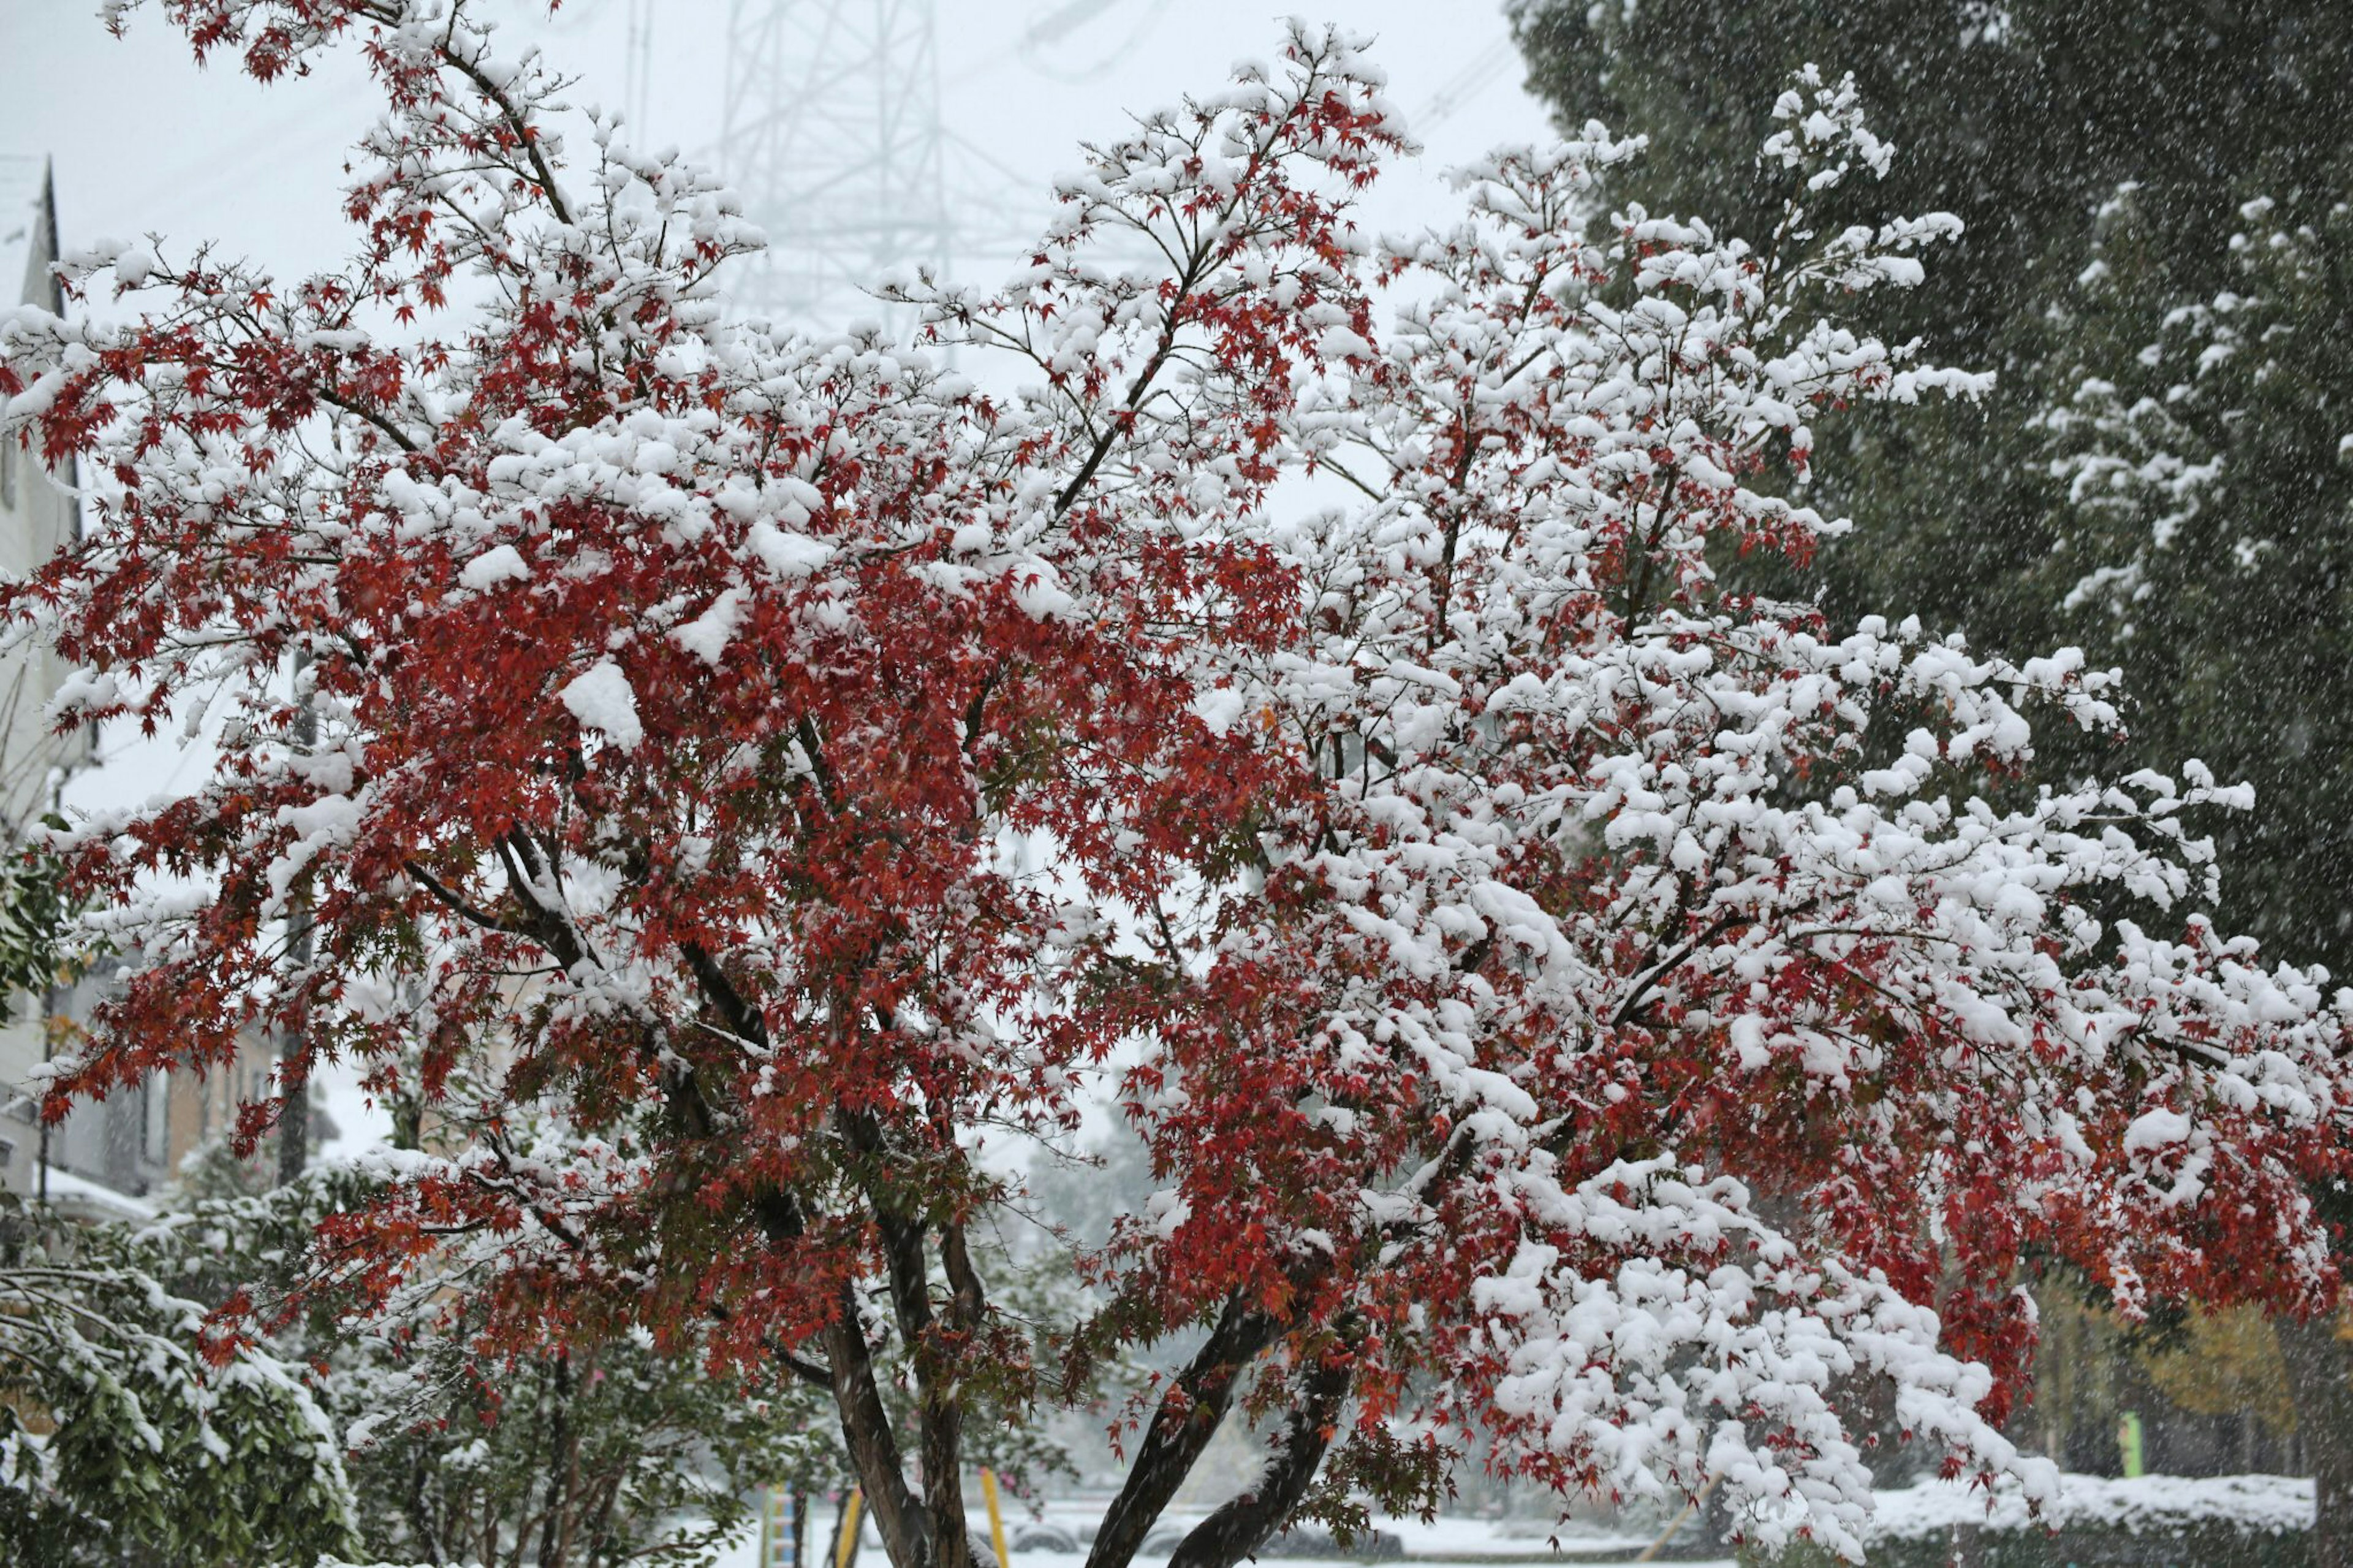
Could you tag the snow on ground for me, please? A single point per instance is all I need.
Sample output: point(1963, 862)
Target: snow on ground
point(745, 1553)
point(1490, 1540)
point(1441, 1543)
point(2149, 1504)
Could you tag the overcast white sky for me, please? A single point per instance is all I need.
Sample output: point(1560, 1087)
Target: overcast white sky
point(146, 142)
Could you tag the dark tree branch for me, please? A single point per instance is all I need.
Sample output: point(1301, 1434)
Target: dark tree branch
point(808, 1372)
point(1188, 1417)
point(744, 1020)
point(805, 732)
point(526, 135)
point(1243, 1524)
point(457, 903)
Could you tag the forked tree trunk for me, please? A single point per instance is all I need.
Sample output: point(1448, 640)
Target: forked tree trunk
point(925, 1530)
point(1243, 1524)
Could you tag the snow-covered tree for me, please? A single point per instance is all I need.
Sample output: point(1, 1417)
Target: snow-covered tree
point(594, 1452)
point(121, 1439)
point(1570, 1006)
point(2208, 466)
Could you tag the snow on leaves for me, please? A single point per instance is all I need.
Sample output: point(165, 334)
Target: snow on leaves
point(603, 700)
point(1571, 1004)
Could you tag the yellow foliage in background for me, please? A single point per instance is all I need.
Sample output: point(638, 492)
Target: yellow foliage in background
point(2228, 1364)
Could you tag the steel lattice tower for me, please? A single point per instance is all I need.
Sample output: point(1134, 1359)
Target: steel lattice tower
point(830, 128)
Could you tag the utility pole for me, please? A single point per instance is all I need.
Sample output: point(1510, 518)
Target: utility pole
point(294, 1119)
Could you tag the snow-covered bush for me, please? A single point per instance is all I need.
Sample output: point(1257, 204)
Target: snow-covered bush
point(2219, 1521)
point(122, 1440)
point(599, 1451)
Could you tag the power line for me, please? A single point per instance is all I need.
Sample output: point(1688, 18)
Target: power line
point(1068, 18)
point(1458, 89)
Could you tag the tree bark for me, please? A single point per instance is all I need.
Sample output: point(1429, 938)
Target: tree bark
point(294, 1130)
point(1188, 1417)
point(559, 1465)
point(294, 1116)
point(1242, 1525)
point(934, 1349)
point(2320, 1382)
point(873, 1447)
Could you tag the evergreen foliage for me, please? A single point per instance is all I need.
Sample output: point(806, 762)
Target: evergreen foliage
point(2206, 537)
point(122, 1440)
point(2024, 119)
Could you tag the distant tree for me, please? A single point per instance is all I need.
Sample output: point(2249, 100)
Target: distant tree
point(1081, 1196)
point(1568, 1003)
point(2207, 447)
point(2228, 1363)
point(2021, 119)
point(2210, 1387)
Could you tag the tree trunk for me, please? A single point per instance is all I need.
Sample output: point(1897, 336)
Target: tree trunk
point(873, 1448)
point(1186, 1418)
point(553, 1534)
point(1239, 1528)
point(2320, 1381)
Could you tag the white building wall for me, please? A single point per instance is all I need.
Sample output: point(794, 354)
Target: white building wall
point(37, 516)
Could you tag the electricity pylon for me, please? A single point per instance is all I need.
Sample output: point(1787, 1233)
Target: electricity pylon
point(831, 129)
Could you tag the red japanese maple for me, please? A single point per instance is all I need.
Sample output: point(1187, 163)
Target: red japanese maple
point(1572, 1007)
